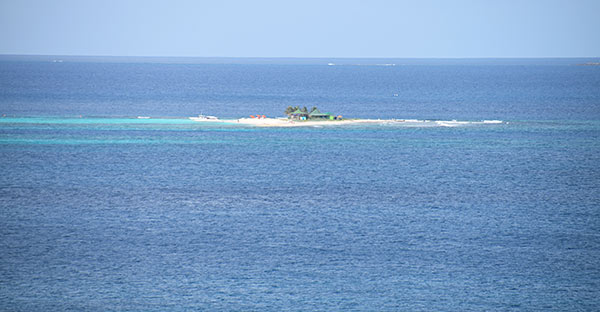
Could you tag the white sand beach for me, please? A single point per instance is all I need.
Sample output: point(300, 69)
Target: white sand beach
point(285, 122)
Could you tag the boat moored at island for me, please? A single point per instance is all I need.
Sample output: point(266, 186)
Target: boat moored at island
point(204, 118)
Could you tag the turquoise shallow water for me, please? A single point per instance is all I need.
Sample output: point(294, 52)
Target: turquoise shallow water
point(116, 213)
point(92, 120)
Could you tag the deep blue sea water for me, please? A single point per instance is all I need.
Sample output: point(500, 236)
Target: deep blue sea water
point(110, 212)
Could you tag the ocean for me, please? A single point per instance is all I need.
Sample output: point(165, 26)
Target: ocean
point(103, 211)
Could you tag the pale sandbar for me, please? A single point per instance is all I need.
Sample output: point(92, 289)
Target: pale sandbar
point(286, 122)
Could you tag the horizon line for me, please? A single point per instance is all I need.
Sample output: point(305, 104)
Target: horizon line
point(307, 57)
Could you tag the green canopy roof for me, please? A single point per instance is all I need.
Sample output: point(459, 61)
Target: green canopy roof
point(298, 112)
point(317, 113)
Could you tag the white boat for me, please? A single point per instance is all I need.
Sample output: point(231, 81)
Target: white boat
point(207, 117)
point(204, 118)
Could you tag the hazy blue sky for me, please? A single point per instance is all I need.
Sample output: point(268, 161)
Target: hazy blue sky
point(307, 28)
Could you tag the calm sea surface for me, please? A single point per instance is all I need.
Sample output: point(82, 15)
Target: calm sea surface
point(110, 212)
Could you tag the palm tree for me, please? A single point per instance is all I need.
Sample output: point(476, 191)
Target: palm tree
point(289, 110)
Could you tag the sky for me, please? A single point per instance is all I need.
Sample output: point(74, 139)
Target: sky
point(307, 28)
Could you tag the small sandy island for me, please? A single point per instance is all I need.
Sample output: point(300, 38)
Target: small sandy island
point(285, 122)
point(277, 122)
